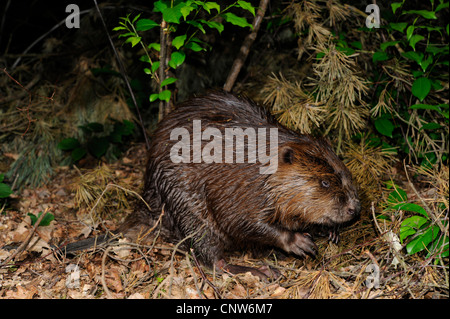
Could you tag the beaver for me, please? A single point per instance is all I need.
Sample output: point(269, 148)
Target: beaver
point(217, 197)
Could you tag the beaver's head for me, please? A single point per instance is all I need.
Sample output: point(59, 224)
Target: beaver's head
point(311, 186)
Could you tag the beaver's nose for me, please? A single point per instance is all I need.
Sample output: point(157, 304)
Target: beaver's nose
point(354, 209)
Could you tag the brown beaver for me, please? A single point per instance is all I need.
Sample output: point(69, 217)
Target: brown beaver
point(221, 199)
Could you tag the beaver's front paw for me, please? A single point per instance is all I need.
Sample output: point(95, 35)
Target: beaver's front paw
point(303, 244)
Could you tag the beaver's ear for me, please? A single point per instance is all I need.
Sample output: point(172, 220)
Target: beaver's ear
point(287, 155)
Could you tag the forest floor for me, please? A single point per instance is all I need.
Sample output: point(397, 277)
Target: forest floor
point(365, 264)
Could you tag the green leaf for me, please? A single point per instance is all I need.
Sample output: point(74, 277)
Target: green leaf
point(398, 195)
point(430, 126)
point(384, 126)
point(410, 226)
point(208, 6)
point(126, 35)
point(5, 190)
point(44, 222)
point(133, 40)
point(154, 97)
point(213, 25)
point(144, 58)
point(121, 129)
point(186, 10)
point(425, 63)
point(425, 107)
point(234, 19)
point(412, 55)
point(178, 41)
point(197, 24)
point(2, 176)
point(119, 28)
point(78, 153)
point(380, 56)
point(98, 146)
point(385, 45)
point(68, 144)
point(155, 46)
point(414, 39)
point(145, 24)
point(440, 245)
point(356, 44)
point(441, 6)
point(246, 6)
point(173, 15)
point(95, 127)
point(127, 127)
point(424, 13)
point(409, 32)
point(398, 26)
point(395, 6)
point(155, 66)
point(421, 242)
point(177, 59)
point(168, 81)
point(411, 207)
point(436, 50)
point(165, 95)
point(194, 46)
point(135, 18)
point(421, 87)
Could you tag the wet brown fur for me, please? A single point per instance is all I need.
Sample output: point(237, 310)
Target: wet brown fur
point(225, 207)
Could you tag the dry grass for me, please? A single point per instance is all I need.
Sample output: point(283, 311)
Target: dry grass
point(93, 195)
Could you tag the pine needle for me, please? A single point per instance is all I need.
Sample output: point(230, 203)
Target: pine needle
point(293, 107)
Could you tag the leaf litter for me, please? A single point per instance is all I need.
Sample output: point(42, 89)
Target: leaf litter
point(159, 270)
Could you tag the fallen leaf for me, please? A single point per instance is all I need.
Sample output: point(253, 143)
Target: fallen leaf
point(279, 291)
point(21, 232)
point(22, 292)
point(113, 280)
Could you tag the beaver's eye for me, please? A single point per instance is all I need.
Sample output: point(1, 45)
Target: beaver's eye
point(288, 155)
point(325, 183)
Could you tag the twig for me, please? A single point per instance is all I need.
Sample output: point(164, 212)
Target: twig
point(202, 273)
point(105, 287)
point(24, 245)
point(200, 293)
point(245, 48)
point(163, 106)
